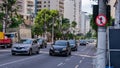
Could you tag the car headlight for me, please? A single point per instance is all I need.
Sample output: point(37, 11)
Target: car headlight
point(64, 49)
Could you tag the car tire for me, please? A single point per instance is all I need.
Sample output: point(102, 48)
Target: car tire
point(45, 46)
point(70, 53)
point(76, 49)
point(67, 54)
point(51, 54)
point(30, 52)
point(13, 53)
point(37, 52)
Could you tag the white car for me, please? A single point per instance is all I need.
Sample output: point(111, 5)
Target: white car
point(25, 46)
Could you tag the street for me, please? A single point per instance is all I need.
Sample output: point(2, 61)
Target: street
point(83, 58)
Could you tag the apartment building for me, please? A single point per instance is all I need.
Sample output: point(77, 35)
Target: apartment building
point(50, 4)
point(29, 8)
point(115, 11)
point(112, 4)
point(72, 9)
point(85, 23)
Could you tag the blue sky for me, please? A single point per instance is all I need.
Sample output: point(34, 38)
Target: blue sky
point(86, 6)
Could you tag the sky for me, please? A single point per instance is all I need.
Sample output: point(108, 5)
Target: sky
point(86, 6)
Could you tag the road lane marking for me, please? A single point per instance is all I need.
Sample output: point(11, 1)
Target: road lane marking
point(76, 66)
point(60, 64)
point(83, 58)
point(18, 61)
point(44, 52)
point(80, 61)
point(67, 59)
point(4, 55)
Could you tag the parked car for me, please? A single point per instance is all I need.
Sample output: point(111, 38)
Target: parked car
point(83, 42)
point(73, 45)
point(60, 47)
point(25, 46)
point(42, 43)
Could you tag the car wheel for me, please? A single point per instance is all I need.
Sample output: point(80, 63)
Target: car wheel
point(67, 54)
point(76, 49)
point(51, 54)
point(30, 52)
point(70, 53)
point(45, 46)
point(13, 53)
point(37, 52)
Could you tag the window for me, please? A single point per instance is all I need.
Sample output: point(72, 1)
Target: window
point(39, 6)
point(44, 1)
point(48, 1)
point(44, 5)
point(48, 5)
point(39, 2)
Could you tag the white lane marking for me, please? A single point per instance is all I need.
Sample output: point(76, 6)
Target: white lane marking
point(6, 50)
point(80, 61)
point(60, 64)
point(18, 61)
point(44, 52)
point(83, 58)
point(4, 55)
point(76, 66)
point(67, 59)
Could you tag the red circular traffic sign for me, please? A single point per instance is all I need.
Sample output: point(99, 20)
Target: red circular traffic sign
point(101, 20)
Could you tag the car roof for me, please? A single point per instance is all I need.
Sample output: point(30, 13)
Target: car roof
point(61, 41)
point(28, 39)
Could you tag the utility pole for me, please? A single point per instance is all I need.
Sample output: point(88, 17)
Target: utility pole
point(101, 48)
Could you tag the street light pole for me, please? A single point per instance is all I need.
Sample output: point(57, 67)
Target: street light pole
point(101, 48)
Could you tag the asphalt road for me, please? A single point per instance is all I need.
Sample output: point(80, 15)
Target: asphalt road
point(83, 58)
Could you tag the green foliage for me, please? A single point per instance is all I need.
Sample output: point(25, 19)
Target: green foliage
point(46, 19)
point(15, 22)
point(74, 24)
point(89, 34)
point(0, 26)
point(9, 8)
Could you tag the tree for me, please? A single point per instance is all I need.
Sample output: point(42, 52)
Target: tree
point(45, 20)
point(9, 13)
point(89, 34)
point(74, 24)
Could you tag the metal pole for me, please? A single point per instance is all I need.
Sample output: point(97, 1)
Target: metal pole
point(101, 48)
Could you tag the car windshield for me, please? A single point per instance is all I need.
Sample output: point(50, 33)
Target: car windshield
point(26, 41)
point(71, 41)
point(60, 43)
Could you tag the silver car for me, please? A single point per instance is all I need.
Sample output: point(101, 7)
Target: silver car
point(25, 46)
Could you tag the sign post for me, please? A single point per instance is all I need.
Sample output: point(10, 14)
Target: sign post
point(101, 45)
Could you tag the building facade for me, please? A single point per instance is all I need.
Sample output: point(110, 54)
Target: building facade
point(85, 23)
point(28, 8)
point(112, 3)
point(72, 9)
point(117, 13)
